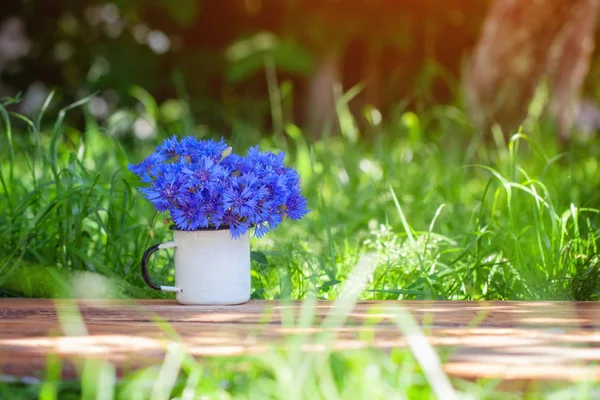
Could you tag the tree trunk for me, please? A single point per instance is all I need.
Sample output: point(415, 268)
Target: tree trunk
point(523, 42)
point(320, 100)
point(372, 77)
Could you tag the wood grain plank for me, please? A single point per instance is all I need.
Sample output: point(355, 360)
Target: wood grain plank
point(505, 340)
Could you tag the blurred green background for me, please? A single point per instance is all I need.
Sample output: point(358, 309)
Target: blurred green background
point(220, 53)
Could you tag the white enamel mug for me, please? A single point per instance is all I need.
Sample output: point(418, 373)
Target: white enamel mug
point(211, 268)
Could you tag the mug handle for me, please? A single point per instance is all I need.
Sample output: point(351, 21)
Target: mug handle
point(146, 258)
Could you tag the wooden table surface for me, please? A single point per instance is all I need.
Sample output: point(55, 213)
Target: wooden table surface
point(506, 340)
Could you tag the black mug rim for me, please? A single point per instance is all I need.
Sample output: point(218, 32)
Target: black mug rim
point(220, 228)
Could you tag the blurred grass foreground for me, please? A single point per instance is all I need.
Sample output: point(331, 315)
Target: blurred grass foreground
point(366, 101)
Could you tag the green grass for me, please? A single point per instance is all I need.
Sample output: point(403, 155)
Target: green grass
point(437, 212)
point(445, 215)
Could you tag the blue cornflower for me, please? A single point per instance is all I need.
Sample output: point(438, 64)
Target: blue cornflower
point(193, 150)
point(185, 214)
point(212, 207)
point(295, 205)
point(166, 189)
point(203, 185)
point(169, 149)
point(203, 173)
point(237, 226)
point(148, 168)
point(261, 229)
point(266, 160)
point(237, 165)
point(243, 195)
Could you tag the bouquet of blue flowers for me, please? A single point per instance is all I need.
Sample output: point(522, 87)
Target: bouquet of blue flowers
point(205, 186)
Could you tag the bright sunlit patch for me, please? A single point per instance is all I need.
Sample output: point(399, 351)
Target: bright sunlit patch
point(370, 168)
point(144, 128)
point(140, 33)
point(120, 123)
point(98, 107)
point(96, 344)
point(376, 116)
point(158, 42)
point(109, 13)
point(343, 176)
point(89, 285)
